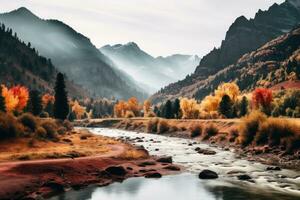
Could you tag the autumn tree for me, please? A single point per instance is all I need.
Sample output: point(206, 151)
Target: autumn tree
point(189, 108)
point(176, 108)
point(226, 106)
point(147, 108)
point(61, 107)
point(22, 94)
point(133, 105)
point(244, 106)
point(262, 99)
point(2, 101)
point(15, 98)
point(78, 110)
point(35, 102)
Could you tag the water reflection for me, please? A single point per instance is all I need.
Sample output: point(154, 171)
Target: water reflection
point(179, 187)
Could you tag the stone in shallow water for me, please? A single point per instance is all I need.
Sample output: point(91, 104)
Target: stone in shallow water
point(244, 177)
point(273, 168)
point(208, 174)
point(116, 171)
point(167, 159)
point(153, 175)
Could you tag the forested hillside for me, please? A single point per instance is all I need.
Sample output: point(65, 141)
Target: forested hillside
point(20, 63)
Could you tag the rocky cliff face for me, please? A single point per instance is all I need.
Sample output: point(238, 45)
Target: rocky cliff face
point(242, 37)
point(247, 35)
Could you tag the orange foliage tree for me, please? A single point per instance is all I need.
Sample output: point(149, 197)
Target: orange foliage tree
point(262, 97)
point(78, 109)
point(122, 107)
point(16, 98)
point(46, 99)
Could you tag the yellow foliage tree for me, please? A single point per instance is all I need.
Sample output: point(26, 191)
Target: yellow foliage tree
point(147, 108)
point(230, 89)
point(78, 109)
point(211, 103)
point(189, 108)
point(131, 106)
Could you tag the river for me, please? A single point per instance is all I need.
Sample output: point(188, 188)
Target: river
point(269, 185)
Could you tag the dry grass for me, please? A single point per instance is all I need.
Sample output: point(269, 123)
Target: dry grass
point(249, 126)
point(133, 154)
point(210, 131)
point(163, 126)
point(29, 121)
point(195, 130)
point(30, 148)
point(151, 126)
point(257, 129)
point(9, 126)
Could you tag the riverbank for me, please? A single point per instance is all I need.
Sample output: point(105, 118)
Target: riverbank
point(75, 160)
point(226, 129)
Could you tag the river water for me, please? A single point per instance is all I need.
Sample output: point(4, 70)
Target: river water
point(269, 185)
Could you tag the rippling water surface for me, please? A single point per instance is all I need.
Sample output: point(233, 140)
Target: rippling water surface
point(269, 185)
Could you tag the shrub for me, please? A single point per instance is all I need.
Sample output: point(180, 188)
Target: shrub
point(44, 115)
point(274, 131)
point(50, 127)
point(61, 130)
point(28, 120)
point(129, 114)
point(40, 132)
point(249, 126)
point(195, 130)
point(68, 125)
point(162, 126)
point(210, 130)
point(233, 135)
point(151, 126)
point(9, 126)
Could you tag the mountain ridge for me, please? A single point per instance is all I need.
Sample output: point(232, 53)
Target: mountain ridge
point(243, 36)
point(72, 53)
point(155, 72)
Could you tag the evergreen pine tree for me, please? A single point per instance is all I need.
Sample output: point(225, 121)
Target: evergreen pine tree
point(2, 101)
point(168, 113)
point(61, 107)
point(244, 107)
point(226, 106)
point(35, 102)
point(176, 108)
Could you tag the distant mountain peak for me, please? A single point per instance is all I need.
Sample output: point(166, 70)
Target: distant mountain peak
point(24, 12)
point(132, 45)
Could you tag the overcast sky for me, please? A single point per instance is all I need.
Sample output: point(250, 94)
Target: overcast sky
point(160, 27)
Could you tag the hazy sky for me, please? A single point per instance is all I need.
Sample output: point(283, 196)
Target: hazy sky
point(160, 27)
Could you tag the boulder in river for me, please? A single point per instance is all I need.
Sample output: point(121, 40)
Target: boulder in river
point(273, 168)
point(153, 175)
point(244, 177)
point(208, 174)
point(167, 159)
point(116, 171)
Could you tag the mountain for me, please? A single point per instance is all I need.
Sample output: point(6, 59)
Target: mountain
point(242, 37)
point(154, 73)
point(72, 53)
point(21, 64)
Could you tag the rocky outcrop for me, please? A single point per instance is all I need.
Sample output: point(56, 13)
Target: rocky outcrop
point(243, 36)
